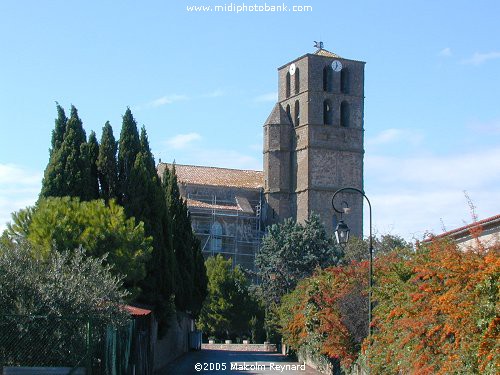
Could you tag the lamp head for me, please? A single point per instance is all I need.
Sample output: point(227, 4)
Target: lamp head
point(342, 233)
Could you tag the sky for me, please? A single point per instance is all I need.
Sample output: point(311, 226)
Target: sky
point(204, 82)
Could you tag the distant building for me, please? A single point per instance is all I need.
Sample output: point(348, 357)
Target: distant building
point(313, 146)
point(226, 209)
point(489, 233)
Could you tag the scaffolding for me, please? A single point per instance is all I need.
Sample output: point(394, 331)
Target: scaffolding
point(225, 228)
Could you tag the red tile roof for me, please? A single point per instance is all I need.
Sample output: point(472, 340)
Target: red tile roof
point(137, 311)
point(466, 228)
point(214, 176)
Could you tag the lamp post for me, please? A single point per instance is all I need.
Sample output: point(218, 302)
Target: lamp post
point(342, 235)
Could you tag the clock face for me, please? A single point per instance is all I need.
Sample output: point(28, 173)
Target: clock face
point(336, 66)
point(292, 69)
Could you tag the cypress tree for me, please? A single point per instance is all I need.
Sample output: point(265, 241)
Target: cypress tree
point(142, 198)
point(129, 147)
point(106, 164)
point(93, 154)
point(59, 129)
point(146, 151)
point(68, 171)
point(189, 294)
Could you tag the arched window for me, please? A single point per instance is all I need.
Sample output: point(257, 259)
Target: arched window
point(327, 112)
point(297, 81)
point(297, 113)
point(216, 237)
point(288, 113)
point(344, 114)
point(288, 84)
point(328, 78)
point(344, 81)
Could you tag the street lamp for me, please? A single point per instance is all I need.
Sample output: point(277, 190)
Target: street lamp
point(342, 236)
point(342, 233)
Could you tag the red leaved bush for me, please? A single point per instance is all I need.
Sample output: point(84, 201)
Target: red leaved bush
point(443, 316)
point(327, 313)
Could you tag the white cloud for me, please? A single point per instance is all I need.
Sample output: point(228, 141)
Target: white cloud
point(479, 58)
point(488, 127)
point(18, 188)
point(410, 195)
point(181, 141)
point(445, 52)
point(11, 174)
point(215, 94)
point(169, 99)
point(393, 135)
point(269, 97)
point(457, 171)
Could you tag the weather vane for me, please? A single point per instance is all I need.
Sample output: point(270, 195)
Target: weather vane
point(318, 44)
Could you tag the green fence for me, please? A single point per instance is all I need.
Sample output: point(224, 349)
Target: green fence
point(70, 342)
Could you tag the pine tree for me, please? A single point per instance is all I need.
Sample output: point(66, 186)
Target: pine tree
point(129, 147)
point(93, 153)
point(106, 164)
point(68, 171)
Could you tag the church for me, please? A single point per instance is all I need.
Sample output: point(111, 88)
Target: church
point(313, 146)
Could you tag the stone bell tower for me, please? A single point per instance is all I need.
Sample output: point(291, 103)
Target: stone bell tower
point(313, 140)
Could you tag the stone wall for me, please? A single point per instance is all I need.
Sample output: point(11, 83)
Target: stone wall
point(266, 347)
point(175, 342)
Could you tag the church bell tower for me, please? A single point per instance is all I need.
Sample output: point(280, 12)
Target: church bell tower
point(313, 140)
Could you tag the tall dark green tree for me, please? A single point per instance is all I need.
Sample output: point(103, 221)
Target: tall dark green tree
point(180, 240)
point(143, 198)
point(106, 164)
point(68, 171)
point(189, 294)
point(93, 154)
point(129, 147)
point(59, 129)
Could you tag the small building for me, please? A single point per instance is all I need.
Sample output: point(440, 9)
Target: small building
point(487, 231)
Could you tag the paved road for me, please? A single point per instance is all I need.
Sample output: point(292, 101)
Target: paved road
point(216, 362)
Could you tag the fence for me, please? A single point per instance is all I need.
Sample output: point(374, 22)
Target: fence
point(73, 343)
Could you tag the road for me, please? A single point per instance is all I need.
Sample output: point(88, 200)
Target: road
point(216, 362)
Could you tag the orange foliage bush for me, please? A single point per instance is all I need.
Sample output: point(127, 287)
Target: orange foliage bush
point(443, 315)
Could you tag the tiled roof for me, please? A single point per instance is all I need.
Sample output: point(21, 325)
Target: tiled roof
point(200, 204)
point(324, 52)
point(136, 311)
point(213, 176)
point(464, 230)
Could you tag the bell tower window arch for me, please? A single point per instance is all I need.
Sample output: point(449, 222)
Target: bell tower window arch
point(287, 84)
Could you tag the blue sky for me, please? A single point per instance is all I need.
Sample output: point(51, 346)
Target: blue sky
point(203, 83)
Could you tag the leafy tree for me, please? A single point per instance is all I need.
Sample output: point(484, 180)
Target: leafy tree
point(291, 252)
point(229, 307)
point(68, 171)
point(359, 249)
point(67, 287)
point(67, 223)
point(93, 154)
point(107, 164)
